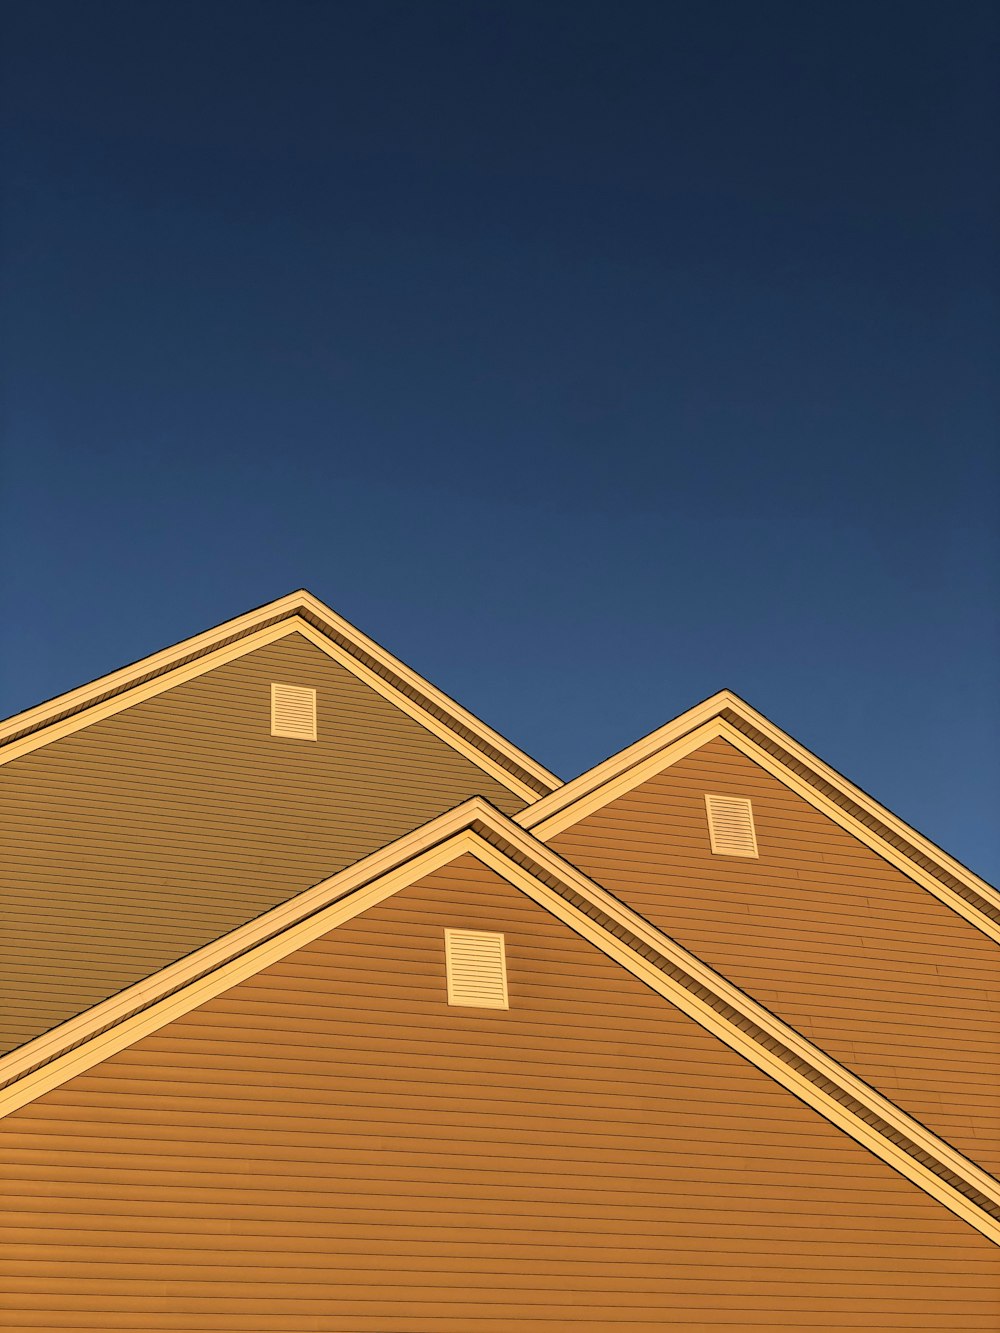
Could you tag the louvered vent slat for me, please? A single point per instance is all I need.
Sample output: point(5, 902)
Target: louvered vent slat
point(293, 712)
point(476, 967)
point(730, 826)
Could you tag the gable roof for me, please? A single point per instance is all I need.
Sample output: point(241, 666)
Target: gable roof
point(299, 612)
point(479, 829)
point(728, 716)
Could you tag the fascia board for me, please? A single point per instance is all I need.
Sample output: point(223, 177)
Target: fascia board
point(125, 677)
point(626, 776)
point(617, 784)
point(148, 689)
point(431, 692)
point(217, 953)
point(860, 797)
point(153, 675)
point(406, 705)
point(616, 765)
point(867, 835)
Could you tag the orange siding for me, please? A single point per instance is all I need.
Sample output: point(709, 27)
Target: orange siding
point(130, 843)
point(330, 1146)
point(821, 930)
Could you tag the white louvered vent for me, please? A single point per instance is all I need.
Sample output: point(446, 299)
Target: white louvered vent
point(477, 968)
point(730, 826)
point(293, 712)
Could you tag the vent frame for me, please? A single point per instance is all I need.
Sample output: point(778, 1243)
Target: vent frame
point(293, 711)
point(476, 968)
point(731, 827)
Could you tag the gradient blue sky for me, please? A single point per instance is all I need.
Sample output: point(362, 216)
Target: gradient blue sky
point(591, 357)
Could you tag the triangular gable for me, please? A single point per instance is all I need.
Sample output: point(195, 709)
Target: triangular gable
point(300, 613)
point(727, 716)
point(331, 1144)
point(478, 829)
point(845, 947)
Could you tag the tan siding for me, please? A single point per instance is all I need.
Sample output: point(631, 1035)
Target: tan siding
point(330, 1145)
point(819, 929)
point(143, 836)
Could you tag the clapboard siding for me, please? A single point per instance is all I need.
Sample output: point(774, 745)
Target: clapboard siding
point(821, 930)
point(143, 836)
point(330, 1145)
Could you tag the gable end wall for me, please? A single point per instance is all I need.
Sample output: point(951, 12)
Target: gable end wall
point(819, 929)
point(330, 1145)
point(145, 835)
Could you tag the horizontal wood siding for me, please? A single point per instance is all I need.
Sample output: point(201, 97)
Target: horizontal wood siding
point(331, 1146)
point(821, 930)
point(130, 843)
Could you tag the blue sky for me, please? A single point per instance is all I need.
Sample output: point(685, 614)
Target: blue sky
point(591, 357)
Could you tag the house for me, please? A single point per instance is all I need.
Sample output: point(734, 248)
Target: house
point(327, 1008)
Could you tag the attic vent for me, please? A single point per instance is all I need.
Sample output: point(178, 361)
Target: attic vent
point(730, 826)
point(293, 712)
point(477, 968)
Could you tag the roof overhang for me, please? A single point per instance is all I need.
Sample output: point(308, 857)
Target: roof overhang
point(301, 613)
point(727, 716)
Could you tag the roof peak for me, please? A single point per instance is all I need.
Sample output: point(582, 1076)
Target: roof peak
point(106, 694)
